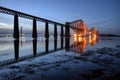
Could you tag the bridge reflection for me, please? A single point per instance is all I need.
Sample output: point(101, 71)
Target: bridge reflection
point(80, 43)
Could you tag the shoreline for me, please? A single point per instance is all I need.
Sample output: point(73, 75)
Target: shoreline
point(102, 63)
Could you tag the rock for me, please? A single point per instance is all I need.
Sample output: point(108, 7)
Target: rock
point(20, 77)
point(66, 68)
point(94, 74)
point(28, 70)
point(13, 67)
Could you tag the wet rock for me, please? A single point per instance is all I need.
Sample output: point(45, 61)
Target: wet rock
point(66, 68)
point(84, 58)
point(118, 46)
point(13, 67)
point(76, 61)
point(28, 70)
point(1, 78)
point(45, 69)
point(94, 74)
point(19, 77)
point(113, 77)
point(88, 53)
point(57, 64)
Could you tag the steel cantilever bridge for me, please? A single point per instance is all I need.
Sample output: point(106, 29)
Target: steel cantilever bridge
point(77, 26)
point(81, 29)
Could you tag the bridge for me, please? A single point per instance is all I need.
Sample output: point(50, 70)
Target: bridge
point(80, 29)
point(77, 26)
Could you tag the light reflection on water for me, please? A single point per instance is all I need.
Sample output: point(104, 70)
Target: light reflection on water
point(82, 44)
point(13, 49)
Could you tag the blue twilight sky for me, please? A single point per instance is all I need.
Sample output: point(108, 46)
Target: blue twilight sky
point(104, 15)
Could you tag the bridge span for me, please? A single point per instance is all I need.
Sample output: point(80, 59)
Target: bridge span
point(78, 26)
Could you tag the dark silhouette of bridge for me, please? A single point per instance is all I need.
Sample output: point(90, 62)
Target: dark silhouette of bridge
point(77, 26)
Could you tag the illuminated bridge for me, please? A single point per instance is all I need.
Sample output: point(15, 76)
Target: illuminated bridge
point(81, 29)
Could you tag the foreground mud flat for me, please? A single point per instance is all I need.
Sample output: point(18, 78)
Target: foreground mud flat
point(98, 64)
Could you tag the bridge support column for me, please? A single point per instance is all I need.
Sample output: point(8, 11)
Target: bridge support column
point(62, 32)
point(67, 30)
point(16, 27)
point(55, 31)
point(62, 38)
point(67, 36)
point(34, 32)
point(46, 30)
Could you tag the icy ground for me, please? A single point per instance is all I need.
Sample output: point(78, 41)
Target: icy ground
point(98, 64)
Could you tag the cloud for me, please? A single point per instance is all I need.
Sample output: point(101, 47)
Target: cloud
point(5, 26)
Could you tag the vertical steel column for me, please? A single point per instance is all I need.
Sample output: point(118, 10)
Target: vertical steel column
point(62, 38)
point(55, 30)
point(46, 30)
point(34, 32)
point(67, 30)
point(62, 32)
point(67, 36)
point(16, 27)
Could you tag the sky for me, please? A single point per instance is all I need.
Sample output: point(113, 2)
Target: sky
point(103, 15)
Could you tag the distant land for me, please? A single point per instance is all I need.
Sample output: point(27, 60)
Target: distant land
point(109, 35)
point(4, 32)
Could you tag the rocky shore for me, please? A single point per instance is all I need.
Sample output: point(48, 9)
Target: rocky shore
point(98, 64)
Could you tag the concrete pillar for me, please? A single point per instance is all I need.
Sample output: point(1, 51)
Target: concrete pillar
point(16, 27)
point(46, 30)
point(34, 32)
point(67, 36)
point(55, 30)
point(62, 32)
point(67, 30)
point(62, 38)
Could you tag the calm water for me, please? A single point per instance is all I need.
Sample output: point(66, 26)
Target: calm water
point(14, 49)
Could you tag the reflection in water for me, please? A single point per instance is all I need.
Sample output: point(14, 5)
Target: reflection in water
point(62, 42)
point(46, 45)
point(93, 40)
point(34, 47)
point(80, 43)
point(67, 43)
point(16, 48)
point(55, 43)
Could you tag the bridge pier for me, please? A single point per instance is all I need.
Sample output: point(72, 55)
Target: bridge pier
point(67, 36)
point(46, 30)
point(62, 38)
point(67, 29)
point(34, 32)
point(62, 32)
point(55, 30)
point(16, 27)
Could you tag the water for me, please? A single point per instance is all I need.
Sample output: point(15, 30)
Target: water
point(26, 46)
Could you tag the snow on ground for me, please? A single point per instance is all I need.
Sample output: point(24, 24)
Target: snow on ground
point(99, 64)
